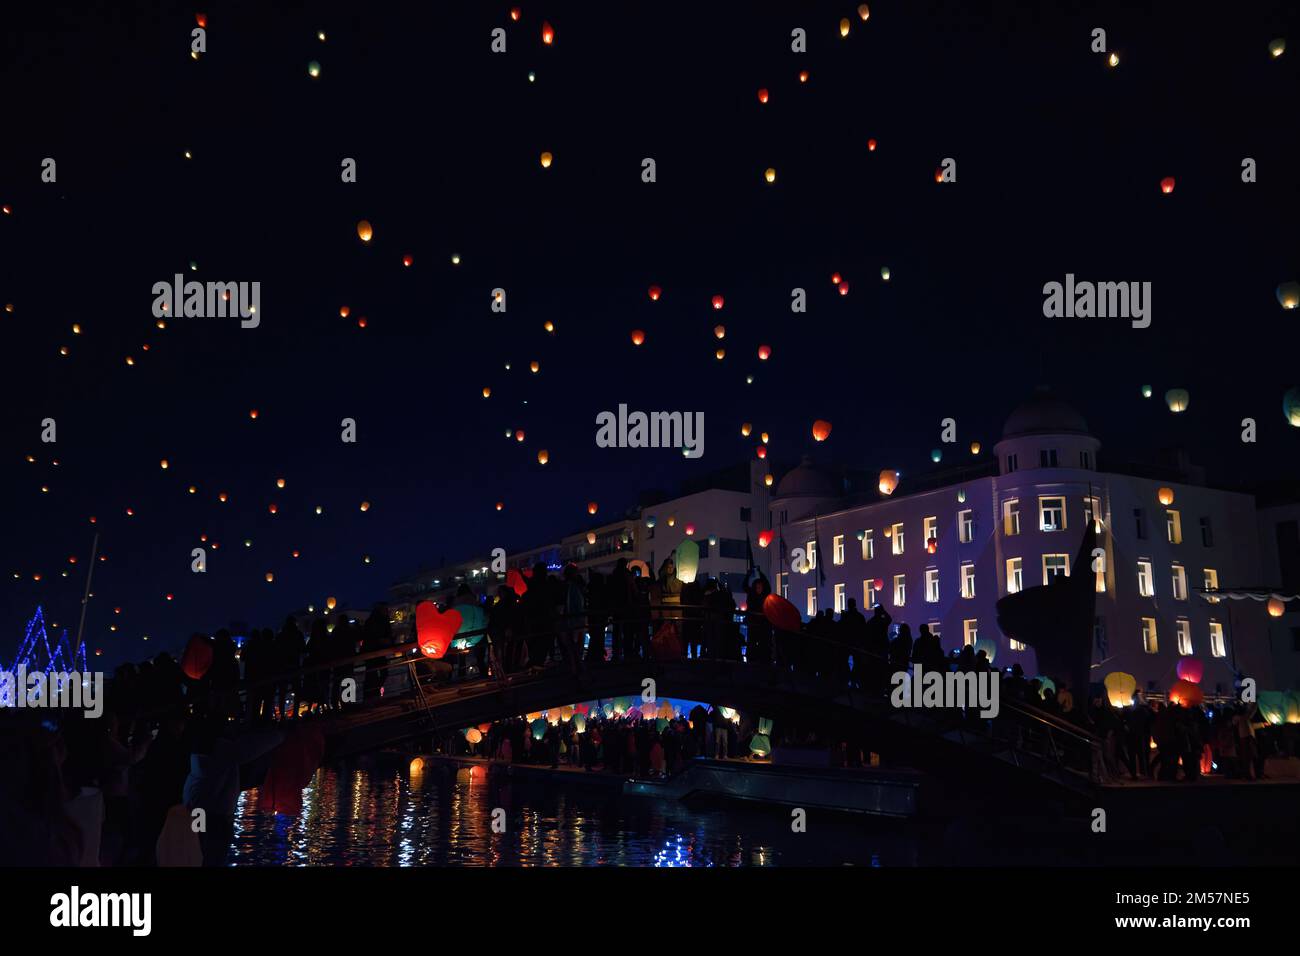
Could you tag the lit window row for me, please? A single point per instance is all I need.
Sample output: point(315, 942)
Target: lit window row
point(1183, 631)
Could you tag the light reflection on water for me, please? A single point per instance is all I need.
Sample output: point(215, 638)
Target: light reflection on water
point(378, 817)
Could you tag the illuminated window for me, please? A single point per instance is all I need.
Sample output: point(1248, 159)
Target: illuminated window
point(868, 546)
point(1149, 635)
point(1216, 639)
point(1174, 527)
point(932, 585)
point(1092, 512)
point(1146, 586)
point(897, 537)
point(1016, 645)
point(783, 585)
point(968, 580)
point(931, 529)
point(1051, 514)
point(812, 602)
point(1212, 583)
point(1011, 517)
point(1015, 575)
point(1055, 565)
point(936, 628)
point(966, 526)
point(970, 632)
point(812, 555)
point(839, 599)
point(837, 544)
point(1183, 630)
point(869, 596)
point(1180, 583)
point(900, 590)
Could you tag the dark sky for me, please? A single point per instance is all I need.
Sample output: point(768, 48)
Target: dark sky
point(1059, 160)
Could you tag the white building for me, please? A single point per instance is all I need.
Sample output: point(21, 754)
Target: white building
point(945, 553)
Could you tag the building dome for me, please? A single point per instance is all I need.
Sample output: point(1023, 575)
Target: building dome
point(807, 481)
point(1044, 414)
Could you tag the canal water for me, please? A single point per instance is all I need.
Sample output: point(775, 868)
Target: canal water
point(377, 817)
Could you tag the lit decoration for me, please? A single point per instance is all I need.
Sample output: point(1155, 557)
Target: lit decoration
point(713, 541)
point(1190, 670)
point(888, 481)
point(1288, 295)
point(591, 507)
point(269, 577)
point(961, 496)
point(1276, 607)
point(514, 13)
point(455, 258)
point(764, 353)
point(1177, 399)
point(768, 479)
point(1291, 407)
point(279, 482)
point(364, 230)
point(655, 293)
point(1165, 496)
point(932, 545)
point(719, 331)
point(365, 506)
point(331, 603)
point(543, 456)
point(765, 538)
point(762, 95)
point(844, 26)
point(821, 430)
point(407, 260)
point(487, 391)
point(252, 413)
point(273, 508)
point(871, 146)
point(844, 288)
point(473, 735)
point(651, 521)
point(769, 174)
point(638, 569)
point(434, 629)
point(764, 437)
point(548, 33)
point(803, 76)
point(1277, 47)
point(1119, 688)
point(591, 537)
point(1186, 694)
point(197, 657)
point(1112, 60)
point(519, 435)
point(546, 160)
point(782, 615)
point(1146, 391)
point(974, 448)
point(884, 273)
point(501, 506)
point(549, 326)
point(936, 455)
point(762, 451)
point(223, 497)
point(718, 302)
point(864, 11)
point(1167, 185)
point(746, 428)
point(720, 354)
point(638, 336)
point(313, 69)
point(516, 582)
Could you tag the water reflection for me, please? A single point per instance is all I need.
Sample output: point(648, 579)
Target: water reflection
point(379, 817)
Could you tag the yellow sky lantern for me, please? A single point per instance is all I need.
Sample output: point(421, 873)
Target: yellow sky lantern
point(546, 160)
point(844, 26)
point(364, 230)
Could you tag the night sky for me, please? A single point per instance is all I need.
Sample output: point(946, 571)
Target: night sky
point(1059, 161)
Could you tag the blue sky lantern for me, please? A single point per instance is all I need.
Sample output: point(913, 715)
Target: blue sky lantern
point(538, 727)
point(713, 541)
point(961, 496)
point(688, 561)
point(1291, 406)
point(651, 521)
point(607, 708)
point(1045, 684)
point(988, 646)
point(862, 535)
point(580, 723)
point(661, 724)
point(760, 745)
point(936, 455)
point(472, 618)
point(1146, 391)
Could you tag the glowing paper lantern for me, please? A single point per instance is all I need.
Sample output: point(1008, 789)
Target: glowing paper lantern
point(884, 273)
point(1186, 694)
point(655, 292)
point(1177, 399)
point(888, 481)
point(516, 582)
point(1190, 670)
point(713, 541)
point(407, 261)
point(1277, 47)
point(688, 561)
point(313, 69)
point(803, 76)
point(543, 456)
point(473, 735)
point(768, 479)
point(821, 430)
point(1165, 496)
point(538, 727)
point(718, 302)
point(1045, 684)
point(764, 353)
point(844, 288)
point(591, 507)
point(651, 521)
point(762, 95)
point(690, 529)
point(765, 538)
point(331, 603)
point(548, 33)
point(638, 336)
point(1288, 295)
point(863, 11)
point(974, 448)
point(988, 646)
point(546, 160)
point(760, 745)
point(197, 657)
point(1276, 607)
point(364, 230)
point(434, 629)
point(1146, 391)
point(720, 331)
point(746, 428)
point(638, 568)
point(871, 146)
point(932, 545)
point(1167, 185)
point(1291, 407)
point(580, 723)
point(844, 26)
point(762, 451)
point(769, 174)
point(782, 615)
point(591, 537)
point(1273, 706)
point(936, 455)
point(1119, 688)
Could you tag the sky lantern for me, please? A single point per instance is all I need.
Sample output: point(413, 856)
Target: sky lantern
point(769, 174)
point(836, 278)
point(765, 538)
point(718, 301)
point(720, 354)
point(687, 561)
point(768, 479)
point(821, 430)
point(762, 451)
point(932, 545)
point(765, 437)
point(1291, 407)
point(1186, 694)
point(1276, 607)
point(1146, 391)
point(501, 506)
point(884, 273)
point(746, 428)
point(690, 529)
point(1119, 688)
point(543, 456)
point(313, 69)
point(364, 230)
point(782, 615)
point(273, 508)
point(519, 435)
point(1112, 60)
point(803, 76)
point(844, 26)
point(591, 537)
point(279, 482)
point(197, 657)
point(201, 19)
point(514, 13)
point(1277, 47)
point(1166, 496)
point(655, 292)
point(936, 455)
point(974, 448)
point(720, 331)
point(888, 481)
point(764, 353)
point(1167, 185)
point(163, 464)
point(1288, 295)
point(864, 11)
point(638, 336)
point(1190, 669)
point(365, 506)
point(871, 146)
point(548, 33)
point(487, 391)
point(434, 629)
point(344, 312)
point(762, 95)
point(546, 160)
point(1177, 399)
point(549, 326)
point(270, 577)
point(407, 260)
point(591, 507)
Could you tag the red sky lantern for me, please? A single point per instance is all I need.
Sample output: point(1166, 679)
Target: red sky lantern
point(519, 435)
point(548, 33)
point(1190, 670)
point(803, 76)
point(591, 507)
point(718, 301)
point(1186, 694)
point(514, 13)
point(197, 657)
point(932, 545)
point(765, 538)
point(871, 146)
point(407, 260)
point(434, 629)
point(655, 292)
point(821, 429)
point(938, 175)
point(1167, 185)
point(764, 353)
point(844, 288)
point(783, 615)
point(878, 585)
point(201, 19)
point(762, 95)
point(515, 581)
point(836, 278)
point(762, 451)
point(638, 336)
